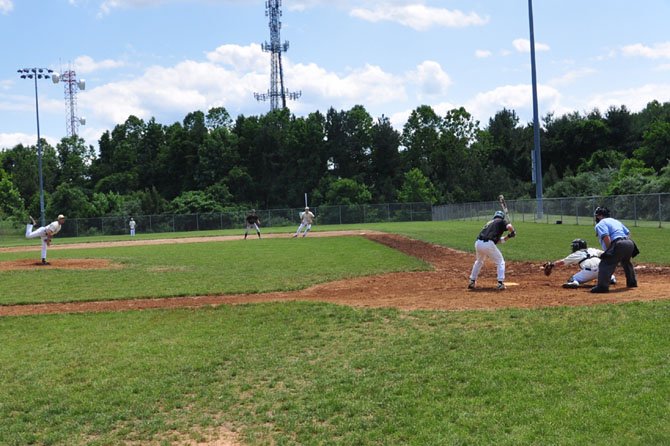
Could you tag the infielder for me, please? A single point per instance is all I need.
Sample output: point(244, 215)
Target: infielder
point(588, 260)
point(132, 225)
point(306, 220)
point(485, 246)
point(252, 221)
point(46, 233)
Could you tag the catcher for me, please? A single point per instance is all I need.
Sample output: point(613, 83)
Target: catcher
point(46, 233)
point(588, 260)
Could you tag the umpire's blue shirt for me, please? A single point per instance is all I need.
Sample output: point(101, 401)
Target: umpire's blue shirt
point(614, 228)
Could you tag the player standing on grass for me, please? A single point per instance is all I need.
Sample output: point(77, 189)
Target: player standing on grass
point(306, 220)
point(252, 222)
point(485, 246)
point(132, 225)
point(46, 233)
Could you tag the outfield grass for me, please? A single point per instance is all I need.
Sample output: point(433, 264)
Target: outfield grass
point(320, 374)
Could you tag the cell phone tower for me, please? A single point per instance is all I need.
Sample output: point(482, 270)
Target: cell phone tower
point(72, 86)
point(275, 48)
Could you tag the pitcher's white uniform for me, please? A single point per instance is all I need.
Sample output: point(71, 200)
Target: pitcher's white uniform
point(45, 233)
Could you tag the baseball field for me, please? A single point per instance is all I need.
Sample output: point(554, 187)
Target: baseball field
point(366, 335)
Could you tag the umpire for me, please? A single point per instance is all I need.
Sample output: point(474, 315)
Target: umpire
point(618, 248)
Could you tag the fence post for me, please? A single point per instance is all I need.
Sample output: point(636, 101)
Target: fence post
point(660, 215)
point(635, 209)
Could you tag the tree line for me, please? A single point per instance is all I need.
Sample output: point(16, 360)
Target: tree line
point(212, 163)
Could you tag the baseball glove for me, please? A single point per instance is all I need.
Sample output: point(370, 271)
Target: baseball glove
point(548, 268)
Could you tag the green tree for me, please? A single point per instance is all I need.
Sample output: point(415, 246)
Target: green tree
point(417, 188)
point(655, 149)
point(346, 191)
point(11, 204)
point(385, 161)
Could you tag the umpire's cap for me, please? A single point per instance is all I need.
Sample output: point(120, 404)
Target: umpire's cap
point(602, 212)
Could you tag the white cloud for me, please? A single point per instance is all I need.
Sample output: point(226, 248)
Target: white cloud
point(431, 79)
point(241, 58)
point(570, 76)
point(419, 17)
point(6, 6)
point(658, 51)
point(514, 97)
point(635, 99)
point(86, 64)
point(11, 140)
point(523, 46)
point(483, 54)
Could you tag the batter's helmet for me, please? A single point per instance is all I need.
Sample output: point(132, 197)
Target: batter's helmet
point(602, 212)
point(499, 214)
point(578, 244)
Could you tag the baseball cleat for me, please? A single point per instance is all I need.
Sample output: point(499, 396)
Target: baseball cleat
point(599, 289)
point(501, 286)
point(471, 285)
point(571, 284)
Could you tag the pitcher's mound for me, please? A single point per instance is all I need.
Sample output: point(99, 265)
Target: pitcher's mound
point(30, 264)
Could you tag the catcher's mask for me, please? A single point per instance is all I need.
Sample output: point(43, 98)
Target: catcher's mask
point(601, 212)
point(499, 214)
point(578, 244)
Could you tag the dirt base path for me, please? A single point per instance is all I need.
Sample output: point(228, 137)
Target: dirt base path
point(445, 288)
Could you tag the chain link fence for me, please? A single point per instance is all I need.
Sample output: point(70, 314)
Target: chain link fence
point(634, 210)
point(325, 215)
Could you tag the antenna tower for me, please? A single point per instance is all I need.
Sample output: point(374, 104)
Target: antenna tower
point(72, 86)
point(275, 48)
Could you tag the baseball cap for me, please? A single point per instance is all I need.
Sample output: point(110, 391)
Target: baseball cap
point(61, 216)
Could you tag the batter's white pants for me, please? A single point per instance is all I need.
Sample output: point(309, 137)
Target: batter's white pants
point(486, 250)
point(39, 232)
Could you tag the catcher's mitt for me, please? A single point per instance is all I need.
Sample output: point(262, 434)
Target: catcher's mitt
point(548, 268)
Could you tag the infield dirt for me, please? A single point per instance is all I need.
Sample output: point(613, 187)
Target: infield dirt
point(444, 288)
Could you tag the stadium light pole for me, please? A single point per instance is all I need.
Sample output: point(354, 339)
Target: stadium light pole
point(537, 165)
point(35, 74)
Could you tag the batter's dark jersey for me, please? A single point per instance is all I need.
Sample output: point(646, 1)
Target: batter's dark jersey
point(493, 230)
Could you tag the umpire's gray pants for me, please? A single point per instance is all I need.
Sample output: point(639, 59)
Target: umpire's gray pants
point(620, 251)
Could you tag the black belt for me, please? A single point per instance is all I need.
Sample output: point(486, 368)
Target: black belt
point(484, 239)
point(619, 238)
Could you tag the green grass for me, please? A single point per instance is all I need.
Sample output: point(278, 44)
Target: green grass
point(317, 374)
point(239, 266)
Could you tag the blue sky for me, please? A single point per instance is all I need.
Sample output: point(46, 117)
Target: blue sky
point(166, 58)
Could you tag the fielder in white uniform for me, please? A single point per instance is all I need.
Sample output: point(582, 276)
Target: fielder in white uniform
point(588, 260)
point(485, 246)
point(132, 225)
point(46, 233)
point(306, 220)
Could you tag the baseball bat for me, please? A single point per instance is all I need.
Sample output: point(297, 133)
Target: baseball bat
point(503, 204)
